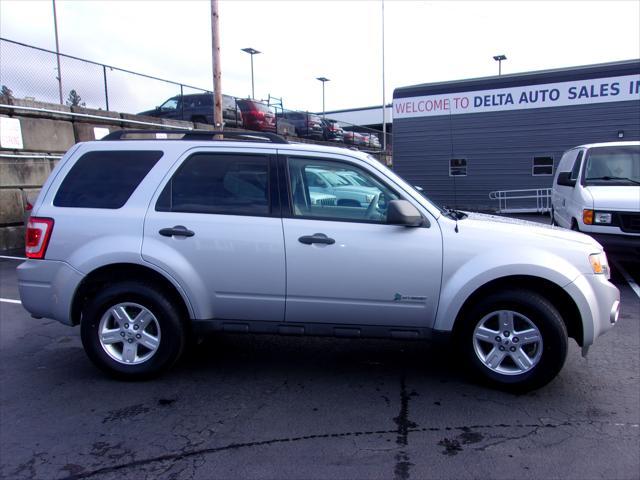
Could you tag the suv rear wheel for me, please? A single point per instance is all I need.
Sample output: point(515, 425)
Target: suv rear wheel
point(131, 330)
point(515, 340)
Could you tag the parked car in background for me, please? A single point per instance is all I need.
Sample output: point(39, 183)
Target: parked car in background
point(257, 116)
point(331, 131)
point(347, 194)
point(371, 140)
point(197, 107)
point(353, 178)
point(307, 125)
point(596, 190)
point(354, 138)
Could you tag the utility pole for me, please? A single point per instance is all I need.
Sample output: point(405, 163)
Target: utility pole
point(384, 100)
point(217, 76)
point(55, 28)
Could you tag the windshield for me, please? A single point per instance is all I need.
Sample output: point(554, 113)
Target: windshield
point(619, 165)
point(170, 104)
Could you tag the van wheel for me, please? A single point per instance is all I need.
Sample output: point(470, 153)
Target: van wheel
point(553, 219)
point(574, 225)
point(514, 340)
point(132, 331)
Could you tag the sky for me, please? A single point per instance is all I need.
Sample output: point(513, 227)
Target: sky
point(425, 41)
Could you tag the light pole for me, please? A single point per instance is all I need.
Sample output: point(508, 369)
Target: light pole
point(55, 28)
point(499, 59)
point(323, 80)
point(384, 99)
point(252, 52)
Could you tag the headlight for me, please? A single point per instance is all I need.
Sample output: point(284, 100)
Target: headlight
point(591, 217)
point(602, 217)
point(599, 264)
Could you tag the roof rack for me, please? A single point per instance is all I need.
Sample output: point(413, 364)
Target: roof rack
point(201, 135)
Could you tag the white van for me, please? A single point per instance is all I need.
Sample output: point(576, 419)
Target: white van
point(596, 190)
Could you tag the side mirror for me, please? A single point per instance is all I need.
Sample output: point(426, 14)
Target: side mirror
point(564, 178)
point(401, 212)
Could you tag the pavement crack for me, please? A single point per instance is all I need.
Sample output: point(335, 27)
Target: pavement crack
point(505, 439)
point(402, 459)
point(403, 463)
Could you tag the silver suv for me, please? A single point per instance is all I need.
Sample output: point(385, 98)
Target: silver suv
point(141, 241)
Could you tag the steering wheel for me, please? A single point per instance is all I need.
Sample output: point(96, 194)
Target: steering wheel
point(373, 207)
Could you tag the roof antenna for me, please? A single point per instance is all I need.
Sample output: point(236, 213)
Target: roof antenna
point(455, 190)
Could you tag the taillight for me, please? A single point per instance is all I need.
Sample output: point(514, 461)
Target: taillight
point(37, 236)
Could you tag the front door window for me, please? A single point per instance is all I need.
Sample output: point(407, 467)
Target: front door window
point(320, 189)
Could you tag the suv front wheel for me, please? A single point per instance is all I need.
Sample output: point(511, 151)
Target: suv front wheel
point(131, 330)
point(515, 340)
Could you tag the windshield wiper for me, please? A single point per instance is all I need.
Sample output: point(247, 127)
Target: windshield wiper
point(607, 177)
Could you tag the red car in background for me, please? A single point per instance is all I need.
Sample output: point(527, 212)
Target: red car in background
point(257, 116)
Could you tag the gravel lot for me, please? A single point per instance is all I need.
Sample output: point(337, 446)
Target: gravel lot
point(271, 407)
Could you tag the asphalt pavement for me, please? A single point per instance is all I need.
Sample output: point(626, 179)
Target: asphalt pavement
point(279, 407)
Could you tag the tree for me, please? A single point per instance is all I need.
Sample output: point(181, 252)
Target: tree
point(6, 94)
point(75, 100)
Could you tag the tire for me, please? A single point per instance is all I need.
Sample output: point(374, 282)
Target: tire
point(553, 219)
point(574, 225)
point(483, 352)
point(156, 338)
point(199, 119)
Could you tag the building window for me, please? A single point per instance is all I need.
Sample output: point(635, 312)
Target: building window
point(458, 167)
point(542, 166)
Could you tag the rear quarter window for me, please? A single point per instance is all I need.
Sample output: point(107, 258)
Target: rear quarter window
point(105, 179)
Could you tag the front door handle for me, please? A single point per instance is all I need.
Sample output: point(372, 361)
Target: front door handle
point(316, 238)
point(177, 231)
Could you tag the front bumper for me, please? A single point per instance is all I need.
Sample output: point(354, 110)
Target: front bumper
point(47, 288)
point(598, 301)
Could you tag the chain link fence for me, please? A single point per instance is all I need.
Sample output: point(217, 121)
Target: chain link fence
point(31, 73)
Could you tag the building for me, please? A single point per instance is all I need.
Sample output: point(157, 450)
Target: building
point(461, 140)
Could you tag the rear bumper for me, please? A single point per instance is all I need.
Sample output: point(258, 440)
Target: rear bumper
point(599, 303)
point(47, 288)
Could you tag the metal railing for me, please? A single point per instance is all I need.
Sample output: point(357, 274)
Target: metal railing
point(30, 72)
point(521, 201)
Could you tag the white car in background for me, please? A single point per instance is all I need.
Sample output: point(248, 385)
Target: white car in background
point(347, 192)
point(596, 190)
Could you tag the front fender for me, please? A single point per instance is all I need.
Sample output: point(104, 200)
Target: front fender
point(463, 280)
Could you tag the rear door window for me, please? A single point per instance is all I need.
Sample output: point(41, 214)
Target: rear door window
point(105, 179)
point(228, 184)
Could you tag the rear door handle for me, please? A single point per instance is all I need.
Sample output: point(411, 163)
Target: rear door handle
point(316, 238)
point(177, 231)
